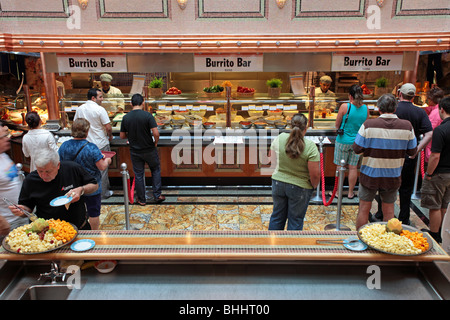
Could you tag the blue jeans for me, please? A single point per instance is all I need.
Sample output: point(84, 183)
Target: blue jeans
point(290, 202)
point(139, 160)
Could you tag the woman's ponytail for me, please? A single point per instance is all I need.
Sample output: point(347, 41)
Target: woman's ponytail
point(295, 144)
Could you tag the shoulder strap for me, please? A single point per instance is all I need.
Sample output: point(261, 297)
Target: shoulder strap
point(348, 112)
point(84, 145)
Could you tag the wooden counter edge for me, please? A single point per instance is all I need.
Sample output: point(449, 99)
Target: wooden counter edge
point(350, 257)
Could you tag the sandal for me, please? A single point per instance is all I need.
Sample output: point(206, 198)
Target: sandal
point(354, 195)
point(141, 203)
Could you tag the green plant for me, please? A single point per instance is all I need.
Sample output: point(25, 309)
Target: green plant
point(381, 82)
point(274, 83)
point(156, 83)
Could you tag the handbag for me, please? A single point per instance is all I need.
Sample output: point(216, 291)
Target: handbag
point(340, 131)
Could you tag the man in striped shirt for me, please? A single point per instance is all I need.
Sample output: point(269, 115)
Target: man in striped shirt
point(384, 142)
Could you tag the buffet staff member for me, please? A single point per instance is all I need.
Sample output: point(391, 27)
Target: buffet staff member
point(54, 178)
point(325, 98)
point(109, 91)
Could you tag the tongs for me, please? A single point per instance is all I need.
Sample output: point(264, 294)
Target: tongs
point(338, 241)
point(32, 216)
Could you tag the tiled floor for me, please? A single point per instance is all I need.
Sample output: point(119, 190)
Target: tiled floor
point(224, 209)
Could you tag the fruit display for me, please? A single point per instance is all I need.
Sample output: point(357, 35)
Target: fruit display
point(173, 90)
point(41, 235)
point(245, 90)
point(394, 225)
point(392, 237)
point(213, 89)
point(366, 90)
point(227, 84)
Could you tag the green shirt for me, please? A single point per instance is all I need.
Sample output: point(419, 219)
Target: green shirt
point(294, 171)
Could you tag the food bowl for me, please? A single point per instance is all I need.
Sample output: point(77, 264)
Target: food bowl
point(289, 113)
point(181, 112)
point(105, 266)
point(223, 115)
point(200, 113)
point(260, 125)
point(276, 112)
point(280, 125)
point(164, 112)
point(209, 125)
point(245, 124)
point(195, 124)
point(255, 113)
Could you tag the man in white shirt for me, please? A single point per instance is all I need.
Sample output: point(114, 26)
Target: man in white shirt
point(100, 131)
point(10, 185)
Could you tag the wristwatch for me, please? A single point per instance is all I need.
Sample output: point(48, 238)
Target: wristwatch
point(428, 175)
point(82, 191)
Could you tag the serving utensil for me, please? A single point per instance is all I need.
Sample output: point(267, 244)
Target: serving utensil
point(32, 216)
point(338, 241)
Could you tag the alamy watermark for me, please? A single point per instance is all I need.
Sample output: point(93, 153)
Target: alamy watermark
point(231, 146)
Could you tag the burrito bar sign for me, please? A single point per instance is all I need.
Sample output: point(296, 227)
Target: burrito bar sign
point(366, 62)
point(92, 63)
point(228, 63)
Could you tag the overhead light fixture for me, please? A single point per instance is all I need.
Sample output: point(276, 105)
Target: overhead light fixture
point(182, 4)
point(83, 3)
point(280, 3)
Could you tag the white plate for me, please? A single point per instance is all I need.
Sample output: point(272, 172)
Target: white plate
point(82, 245)
point(355, 246)
point(60, 201)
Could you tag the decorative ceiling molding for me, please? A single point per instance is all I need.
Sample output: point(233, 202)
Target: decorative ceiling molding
point(37, 14)
point(259, 10)
point(104, 12)
point(225, 44)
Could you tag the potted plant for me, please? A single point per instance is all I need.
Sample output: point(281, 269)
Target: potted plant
point(381, 86)
point(274, 87)
point(156, 86)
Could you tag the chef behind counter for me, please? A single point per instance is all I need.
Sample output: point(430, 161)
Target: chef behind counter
point(113, 98)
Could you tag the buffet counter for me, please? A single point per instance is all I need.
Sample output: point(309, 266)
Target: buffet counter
point(216, 153)
point(224, 265)
point(222, 246)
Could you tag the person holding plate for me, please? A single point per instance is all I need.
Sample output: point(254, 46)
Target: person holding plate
point(56, 179)
point(91, 158)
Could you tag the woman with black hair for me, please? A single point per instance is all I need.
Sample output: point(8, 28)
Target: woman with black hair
point(350, 117)
point(37, 139)
point(296, 175)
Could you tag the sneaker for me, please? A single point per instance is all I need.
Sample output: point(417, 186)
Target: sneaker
point(108, 195)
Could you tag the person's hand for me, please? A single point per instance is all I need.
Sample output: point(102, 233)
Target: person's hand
point(414, 155)
point(15, 211)
point(75, 193)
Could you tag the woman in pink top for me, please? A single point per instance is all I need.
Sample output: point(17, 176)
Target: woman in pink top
point(433, 98)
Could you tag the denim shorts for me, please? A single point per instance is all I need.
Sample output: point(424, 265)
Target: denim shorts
point(345, 151)
point(387, 196)
point(93, 205)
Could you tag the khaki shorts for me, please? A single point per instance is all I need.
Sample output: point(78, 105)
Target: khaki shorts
point(435, 193)
point(387, 196)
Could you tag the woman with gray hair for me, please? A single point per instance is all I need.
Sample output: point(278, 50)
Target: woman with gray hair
point(91, 158)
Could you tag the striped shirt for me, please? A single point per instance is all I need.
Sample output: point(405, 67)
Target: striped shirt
point(384, 143)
